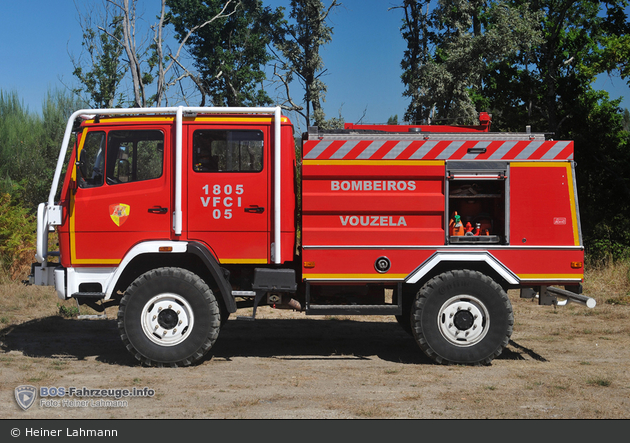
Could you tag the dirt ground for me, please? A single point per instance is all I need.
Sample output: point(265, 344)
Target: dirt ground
point(570, 362)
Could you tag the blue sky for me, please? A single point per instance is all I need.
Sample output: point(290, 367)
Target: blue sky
point(362, 61)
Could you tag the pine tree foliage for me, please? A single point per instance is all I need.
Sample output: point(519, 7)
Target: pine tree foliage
point(29, 148)
point(29, 145)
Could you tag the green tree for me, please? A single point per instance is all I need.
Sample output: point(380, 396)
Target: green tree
point(615, 51)
point(450, 48)
point(299, 43)
point(551, 89)
point(416, 33)
point(602, 154)
point(534, 63)
point(542, 87)
point(230, 54)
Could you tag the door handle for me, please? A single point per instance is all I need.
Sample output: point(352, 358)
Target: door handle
point(255, 209)
point(158, 210)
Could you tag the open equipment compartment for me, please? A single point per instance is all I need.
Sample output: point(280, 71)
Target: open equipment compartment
point(477, 193)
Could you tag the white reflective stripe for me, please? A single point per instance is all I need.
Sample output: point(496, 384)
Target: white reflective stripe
point(503, 150)
point(450, 150)
point(149, 247)
point(423, 150)
point(343, 150)
point(370, 150)
point(438, 257)
point(397, 150)
point(555, 150)
point(317, 150)
point(528, 151)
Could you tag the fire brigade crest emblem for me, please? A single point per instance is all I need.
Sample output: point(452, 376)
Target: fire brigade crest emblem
point(25, 396)
point(119, 213)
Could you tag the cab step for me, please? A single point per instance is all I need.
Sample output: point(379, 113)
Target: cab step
point(90, 299)
point(89, 295)
point(353, 309)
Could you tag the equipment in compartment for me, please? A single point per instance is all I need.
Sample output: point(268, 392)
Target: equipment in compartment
point(481, 206)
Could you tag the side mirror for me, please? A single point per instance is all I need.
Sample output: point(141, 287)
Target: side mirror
point(81, 174)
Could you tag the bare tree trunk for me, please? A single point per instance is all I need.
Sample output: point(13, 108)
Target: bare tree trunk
point(129, 43)
point(162, 83)
point(160, 56)
point(134, 60)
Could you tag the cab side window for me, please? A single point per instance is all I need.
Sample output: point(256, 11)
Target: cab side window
point(134, 156)
point(227, 150)
point(91, 164)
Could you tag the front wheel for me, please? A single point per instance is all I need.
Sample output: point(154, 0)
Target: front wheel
point(462, 317)
point(169, 317)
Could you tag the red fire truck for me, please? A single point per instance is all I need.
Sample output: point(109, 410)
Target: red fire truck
point(179, 215)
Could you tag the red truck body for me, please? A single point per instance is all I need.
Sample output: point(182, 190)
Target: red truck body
point(394, 193)
point(155, 201)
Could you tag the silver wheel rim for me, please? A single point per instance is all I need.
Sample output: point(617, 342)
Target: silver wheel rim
point(167, 319)
point(463, 320)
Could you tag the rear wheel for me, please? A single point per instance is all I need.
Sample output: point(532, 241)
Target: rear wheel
point(169, 317)
point(462, 317)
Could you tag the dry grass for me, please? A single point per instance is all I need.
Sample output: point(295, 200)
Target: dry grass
point(608, 283)
point(20, 303)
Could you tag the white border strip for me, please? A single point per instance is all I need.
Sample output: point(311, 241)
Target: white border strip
point(438, 257)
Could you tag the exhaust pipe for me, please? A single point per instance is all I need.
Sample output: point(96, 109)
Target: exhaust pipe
point(589, 302)
point(291, 303)
point(278, 301)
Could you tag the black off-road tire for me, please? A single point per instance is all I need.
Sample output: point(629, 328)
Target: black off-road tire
point(404, 319)
point(169, 317)
point(462, 317)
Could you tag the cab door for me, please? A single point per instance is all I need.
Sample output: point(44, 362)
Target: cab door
point(123, 193)
point(228, 191)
